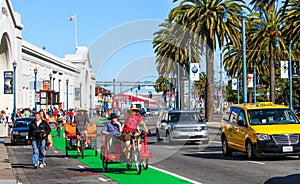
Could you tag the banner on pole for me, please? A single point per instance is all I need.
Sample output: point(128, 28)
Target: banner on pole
point(194, 72)
point(284, 69)
point(234, 84)
point(8, 82)
point(250, 80)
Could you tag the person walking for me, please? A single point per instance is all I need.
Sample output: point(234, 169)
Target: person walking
point(38, 131)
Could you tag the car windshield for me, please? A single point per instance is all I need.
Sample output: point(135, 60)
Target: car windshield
point(19, 124)
point(271, 116)
point(184, 117)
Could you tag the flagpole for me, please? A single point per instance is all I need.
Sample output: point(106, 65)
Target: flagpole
point(75, 30)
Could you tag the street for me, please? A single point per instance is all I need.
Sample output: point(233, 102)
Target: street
point(196, 163)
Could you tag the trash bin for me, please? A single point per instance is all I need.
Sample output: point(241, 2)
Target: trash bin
point(4, 130)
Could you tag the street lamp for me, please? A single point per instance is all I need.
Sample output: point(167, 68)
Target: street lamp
point(50, 76)
point(243, 15)
point(35, 73)
point(67, 91)
point(290, 75)
point(15, 108)
point(80, 84)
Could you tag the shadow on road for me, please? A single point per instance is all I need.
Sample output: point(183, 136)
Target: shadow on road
point(290, 179)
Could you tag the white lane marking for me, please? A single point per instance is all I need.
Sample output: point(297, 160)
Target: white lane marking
point(80, 166)
point(170, 147)
point(55, 151)
point(102, 179)
point(175, 175)
point(66, 158)
point(218, 142)
point(255, 162)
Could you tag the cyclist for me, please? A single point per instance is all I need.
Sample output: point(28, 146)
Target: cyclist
point(132, 120)
point(82, 121)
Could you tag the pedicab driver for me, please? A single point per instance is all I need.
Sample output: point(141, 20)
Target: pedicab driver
point(132, 120)
point(82, 121)
point(112, 128)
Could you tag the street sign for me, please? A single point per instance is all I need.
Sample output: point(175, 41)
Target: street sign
point(295, 69)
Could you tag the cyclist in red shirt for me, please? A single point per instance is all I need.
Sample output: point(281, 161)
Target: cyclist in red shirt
point(132, 120)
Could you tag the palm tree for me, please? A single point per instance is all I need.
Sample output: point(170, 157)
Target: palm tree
point(292, 19)
point(265, 39)
point(171, 47)
point(203, 19)
point(163, 85)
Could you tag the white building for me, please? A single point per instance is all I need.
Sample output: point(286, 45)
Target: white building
point(64, 74)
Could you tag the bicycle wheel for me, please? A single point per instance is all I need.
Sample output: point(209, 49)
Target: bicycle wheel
point(145, 163)
point(103, 160)
point(137, 159)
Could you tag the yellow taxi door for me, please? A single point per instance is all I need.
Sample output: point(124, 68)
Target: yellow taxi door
point(241, 131)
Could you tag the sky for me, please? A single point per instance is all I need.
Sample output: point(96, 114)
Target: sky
point(117, 33)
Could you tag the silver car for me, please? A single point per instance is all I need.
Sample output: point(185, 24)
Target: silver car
point(181, 125)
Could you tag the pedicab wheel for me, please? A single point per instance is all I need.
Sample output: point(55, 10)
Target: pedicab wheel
point(67, 148)
point(145, 163)
point(104, 165)
point(82, 147)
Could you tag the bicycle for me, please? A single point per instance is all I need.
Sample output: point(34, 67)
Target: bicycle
point(135, 152)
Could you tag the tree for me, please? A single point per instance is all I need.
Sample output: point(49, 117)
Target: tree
point(204, 20)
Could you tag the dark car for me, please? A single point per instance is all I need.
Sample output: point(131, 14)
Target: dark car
point(20, 129)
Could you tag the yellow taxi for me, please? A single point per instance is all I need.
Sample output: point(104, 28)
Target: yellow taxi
point(263, 129)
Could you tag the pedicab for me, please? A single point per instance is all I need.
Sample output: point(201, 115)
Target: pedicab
point(71, 139)
point(139, 155)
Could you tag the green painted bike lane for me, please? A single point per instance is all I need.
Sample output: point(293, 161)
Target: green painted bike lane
point(118, 173)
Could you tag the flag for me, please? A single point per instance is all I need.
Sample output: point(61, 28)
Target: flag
point(71, 18)
point(234, 84)
point(250, 80)
point(284, 70)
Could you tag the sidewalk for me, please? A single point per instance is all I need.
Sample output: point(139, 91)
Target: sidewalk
point(6, 173)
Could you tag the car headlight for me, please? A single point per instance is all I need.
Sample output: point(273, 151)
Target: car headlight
point(204, 128)
point(263, 137)
point(15, 132)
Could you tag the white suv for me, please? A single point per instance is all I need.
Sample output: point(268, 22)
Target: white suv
point(181, 125)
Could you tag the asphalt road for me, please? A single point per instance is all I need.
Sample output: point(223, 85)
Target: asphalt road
point(197, 162)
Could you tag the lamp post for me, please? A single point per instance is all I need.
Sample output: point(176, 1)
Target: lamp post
point(290, 75)
point(50, 76)
point(190, 55)
point(91, 102)
point(67, 95)
point(243, 15)
point(80, 85)
point(15, 108)
point(35, 73)
point(114, 91)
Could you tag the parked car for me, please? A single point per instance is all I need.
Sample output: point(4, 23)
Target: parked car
point(181, 125)
point(20, 129)
point(260, 130)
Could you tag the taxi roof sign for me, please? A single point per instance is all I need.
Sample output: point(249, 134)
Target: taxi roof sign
point(263, 104)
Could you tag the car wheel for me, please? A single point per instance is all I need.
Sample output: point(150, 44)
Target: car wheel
point(168, 138)
point(225, 149)
point(250, 151)
point(157, 136)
